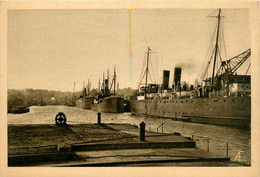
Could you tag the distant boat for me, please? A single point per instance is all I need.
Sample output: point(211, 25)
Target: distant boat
point(85, 101)
point(17, 106)
point(20, 110)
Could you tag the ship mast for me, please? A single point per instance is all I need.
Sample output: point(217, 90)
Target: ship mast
point(73, 94)
point(114, 80)
point(216, 50)
point(88, 87)
point(103, 85)
point(108, 79)
point(99, 85)
point(146, 73)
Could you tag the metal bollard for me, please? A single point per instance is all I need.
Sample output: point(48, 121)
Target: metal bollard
point(142, 131)
point(99, 118)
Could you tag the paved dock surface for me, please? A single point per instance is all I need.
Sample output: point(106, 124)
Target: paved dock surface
point(103, 145)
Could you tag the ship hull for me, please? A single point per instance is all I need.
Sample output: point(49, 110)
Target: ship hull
point(20, 110)
point(228, 111)
point(111, 104)
point(85, 103)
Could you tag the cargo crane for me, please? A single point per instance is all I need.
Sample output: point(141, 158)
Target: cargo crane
point(230, 66)
point(225, 74)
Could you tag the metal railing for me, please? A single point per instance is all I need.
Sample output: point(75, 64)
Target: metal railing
point(235, 151)
point(228, 147)
point(159, 127)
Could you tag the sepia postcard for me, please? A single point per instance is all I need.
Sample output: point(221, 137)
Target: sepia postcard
point(142, 88)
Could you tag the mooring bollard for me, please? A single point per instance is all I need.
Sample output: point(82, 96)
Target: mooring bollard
point(99, 118)
point(142, 131)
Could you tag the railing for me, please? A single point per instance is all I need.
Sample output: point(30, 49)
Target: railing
point(240, 153)
point(230, 149)
point(159, 127)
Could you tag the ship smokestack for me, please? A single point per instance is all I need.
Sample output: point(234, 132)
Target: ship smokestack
point(106, 87)
point(166, 75)
point(177, 78)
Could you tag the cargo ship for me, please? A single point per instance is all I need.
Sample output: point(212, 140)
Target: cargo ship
point(85, 101)
point(222, 99)
point(107, 101)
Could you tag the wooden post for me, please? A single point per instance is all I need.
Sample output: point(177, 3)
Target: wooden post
point(162, 128)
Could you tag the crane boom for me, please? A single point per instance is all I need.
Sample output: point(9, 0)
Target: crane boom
point(234, 63)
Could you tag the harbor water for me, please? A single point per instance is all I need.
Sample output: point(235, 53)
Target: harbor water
point(233, 142)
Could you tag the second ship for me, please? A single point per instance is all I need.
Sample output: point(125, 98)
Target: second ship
point(107, 101)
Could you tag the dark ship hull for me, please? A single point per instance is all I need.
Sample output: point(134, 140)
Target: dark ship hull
point(229, 111)
point(20, 110)
point(112, 104)
point(85, 102)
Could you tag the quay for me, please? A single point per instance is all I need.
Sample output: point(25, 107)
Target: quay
point(103, 145)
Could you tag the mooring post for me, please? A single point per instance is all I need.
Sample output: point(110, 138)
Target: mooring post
point(99, 118)
point(142, 131)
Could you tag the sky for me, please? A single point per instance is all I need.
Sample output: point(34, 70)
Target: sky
point(52, 49)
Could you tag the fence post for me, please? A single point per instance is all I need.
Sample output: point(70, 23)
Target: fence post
point(162, 128)
point(227, 149)
point(208, 143)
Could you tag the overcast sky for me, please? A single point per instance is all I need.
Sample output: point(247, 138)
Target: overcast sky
point(51, 49)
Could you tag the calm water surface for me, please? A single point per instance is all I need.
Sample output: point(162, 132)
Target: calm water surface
point(46, 115)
